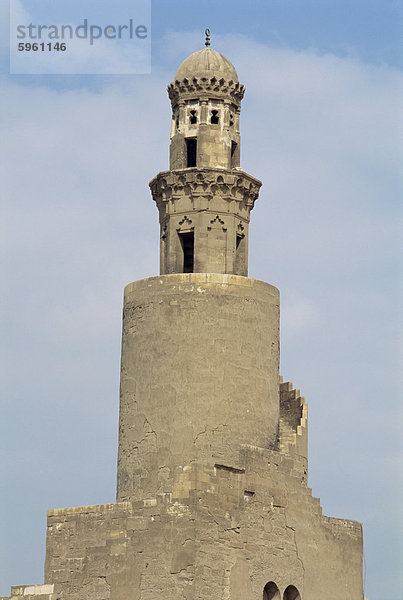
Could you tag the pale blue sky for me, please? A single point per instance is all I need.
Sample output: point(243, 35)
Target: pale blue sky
point(320, 128)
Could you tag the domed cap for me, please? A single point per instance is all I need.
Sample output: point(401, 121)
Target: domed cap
point(206, 63)
point(206, 73)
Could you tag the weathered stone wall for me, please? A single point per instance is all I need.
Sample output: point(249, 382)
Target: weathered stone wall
point(118, 551)
point(329, 551)
point(220, 532)
point(200, 359)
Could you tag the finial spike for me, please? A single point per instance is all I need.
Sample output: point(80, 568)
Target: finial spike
point(207, 32)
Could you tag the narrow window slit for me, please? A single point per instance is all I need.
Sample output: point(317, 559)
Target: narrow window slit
point(240, 255)
point(234, 146)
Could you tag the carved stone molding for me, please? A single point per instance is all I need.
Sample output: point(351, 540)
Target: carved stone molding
point(213, 88)
point(185, 225)
point(216, 222)
point(185, 221)
point(206, 184)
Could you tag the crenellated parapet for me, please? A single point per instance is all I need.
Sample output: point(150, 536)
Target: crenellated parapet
point(293, 423)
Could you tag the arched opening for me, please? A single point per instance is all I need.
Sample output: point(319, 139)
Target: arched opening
point(271, 592)
point(291, 593)
point(214, 119)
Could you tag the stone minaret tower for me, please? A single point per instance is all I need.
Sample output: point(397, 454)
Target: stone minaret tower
point(204, 201)
point(212, 496)
point(195, 338)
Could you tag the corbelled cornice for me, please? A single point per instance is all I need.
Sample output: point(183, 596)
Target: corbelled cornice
point(206, 184)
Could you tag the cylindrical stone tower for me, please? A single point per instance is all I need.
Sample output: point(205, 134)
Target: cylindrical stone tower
point(200, 349)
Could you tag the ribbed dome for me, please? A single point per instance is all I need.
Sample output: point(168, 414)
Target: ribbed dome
point(206, 63)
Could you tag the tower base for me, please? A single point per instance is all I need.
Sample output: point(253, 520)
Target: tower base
point(220, 531)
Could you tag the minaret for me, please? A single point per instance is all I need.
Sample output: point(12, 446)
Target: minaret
point(200, 353)
point(204, 201)
point(212, 496)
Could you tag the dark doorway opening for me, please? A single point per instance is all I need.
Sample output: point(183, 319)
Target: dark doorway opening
point(271, 591)
point(187, 241)
point(191, 152)
point(291, 593)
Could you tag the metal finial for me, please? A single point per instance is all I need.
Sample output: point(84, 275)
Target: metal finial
point(207, 32)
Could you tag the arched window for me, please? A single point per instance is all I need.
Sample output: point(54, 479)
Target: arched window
point(271, 592)
point(291, 593)
point(214, 119)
